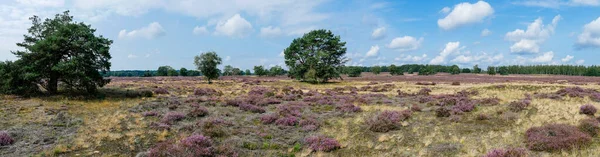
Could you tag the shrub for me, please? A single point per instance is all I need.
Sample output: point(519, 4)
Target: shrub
point(456, 83)
point(163, 149)
point(205, 92)
point(387, 120)
point(464, 107)
point(442, 112)
point(287, 121)
point(590, 126)
point(424, 91)
point(214, 127)
point(150, 114)
point(5, 139)
point(490, 101)
point(416, 108)
point(595, 96)
point(268, 118)
point(172, 117)
point(199, 111)
point(309, 124)
point(233, 102)
point(508, 152)
point(290, 110)
point(518, 106)
point(322, 143)
point(555, 137)
point(587, 110)
point(197, 145)
point(348, 108)
point(252, 108)
point(483, 117)
point(161, 91)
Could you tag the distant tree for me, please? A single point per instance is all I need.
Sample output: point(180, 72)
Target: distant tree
point(318, 54)
point(237, 71)
point(172, 72)
point(503, 70)
point(476, 69)
point(394, 70)
point(276, 70)
point(193, 73)
point(248, 72)
point(163, 70)
point(207, 64)
point(491, 70)
point(260, 71)
point(376, 70)
point(466, 70)
point(57, 50)
point(455, 70)
point(354, 71)
point(227, 70)
point(147, 74)
point(183, 72)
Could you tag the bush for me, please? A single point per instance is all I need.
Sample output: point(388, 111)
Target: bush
point(442, 112)
point(387, 120)
point(287, 121)
point(518, 106)
point(348, 108)
point(456, 83)
point(587, 110)
point(5, 139)
point(150, 114)
point(197, 145)
point(161, 91)
point(199, 111)
point(590, 126)
point(509, 152)
point(163, 149)
point(172, 117)
point(556, 137)
point(309, 124)
point(424, 91)
point(322, 143)
point(214, 127)
point(268, 118)
point(289, 110)
point(205, 92)
point(252, 108)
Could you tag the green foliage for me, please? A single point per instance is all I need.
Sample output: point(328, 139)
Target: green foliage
point(58, 49)
point(318, 52)
point(395, 70)
point(455, 70)
point(466, 70)
point(228, 70)
point(476, 69)
point(491, 70)
point(172, 72)
point(376, 70)
point(260, 71)
point(237, 71)
point(207, 64)
point(354, 71)
point(247, 72)
point(503, 70)
point(276, 70)
point(183, 72)
point(427, 70)
point(164, 70)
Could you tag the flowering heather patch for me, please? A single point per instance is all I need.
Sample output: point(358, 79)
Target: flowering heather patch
point(587, 110)
point(556, 137)
point(424, 91)
point(163, 149)
point(287, 121)
point(590, 126)
point(290, 110)
point(518, 106)
point(252, 108)
point(322, 143)
point(172, 117)
point(197, 145)
point(199, 111)
point(161, 91)
point(160, 126)
point(268, 101)
point(214, 127)
point(575, 92)
point(205, 92)
point(387, 120)
point(5, 139)
point(150, 114)
point(508, 152)
point(268, 118)
point(442, 112)
point(348, 108)
point(416, 108)
point(489, 101)
point(233, 102)
point(261, 91)
point(464, 106)
point(309, 124)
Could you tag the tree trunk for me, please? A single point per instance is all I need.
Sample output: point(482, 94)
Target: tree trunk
point(53, 83)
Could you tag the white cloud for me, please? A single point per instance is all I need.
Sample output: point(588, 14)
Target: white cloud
point(227, 58)
point(153, 30)
point(567, 58)
point(236, 26)
point(590, 37)
point(580, 62)
point(281, 54)
point(486, 32)
point(270, 31)
point(528, 41)
point(374, 51)
point(586, 2)
point(411, 59)
point(132, 56)
point(451, 47)
point(555, 4)
point(378, 33)
point(120, 7)
point(301, 31)
point(200, 30)
point(405, 43)
point(42, 3)
point(445, 10)
point(477, 59)
point(466, 13)
point(544, 58)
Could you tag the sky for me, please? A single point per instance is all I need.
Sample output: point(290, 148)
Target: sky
point(245, 33)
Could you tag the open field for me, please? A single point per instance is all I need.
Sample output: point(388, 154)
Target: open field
point(461, 115)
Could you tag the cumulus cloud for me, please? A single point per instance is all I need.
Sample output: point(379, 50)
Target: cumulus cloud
point(528, 41)
point(590, 37)
point(445, 10)
point(567, 58)
point(477, 59)
point(411, 59)
point(200, 30)
point(580, 62)
point(405, 43)
point(557, 3)
point(378, 33)
point(270, 31)
point(485, 32)
point(236, 26)
point(466, 13)
point(374, 51)
point(42, 3)
point(153, 30)
point(544, 58)
point(451, 47)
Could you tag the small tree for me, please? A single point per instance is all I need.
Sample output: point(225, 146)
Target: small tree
point(454, 70)
point(207, 64)
point(466, 70)
point(228, 70)
point(172, 72)
point(183, 72)
point(248, 72)
point(376, 70)
point(503, 70)
point(163, 70)
point(394, 70)
point(354, 71)
point(260, 70)
point(319, 53)
point(276, 70)
point(237, 71)
point(476, 69)
point(491, 70)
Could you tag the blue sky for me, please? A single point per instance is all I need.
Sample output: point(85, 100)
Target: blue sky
point(151, 33)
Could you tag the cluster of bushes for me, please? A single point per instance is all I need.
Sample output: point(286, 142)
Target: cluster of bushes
point(273, 71)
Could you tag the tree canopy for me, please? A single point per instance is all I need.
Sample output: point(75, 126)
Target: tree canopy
point(207, 64)
point(316, 57)
point(58, 50)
